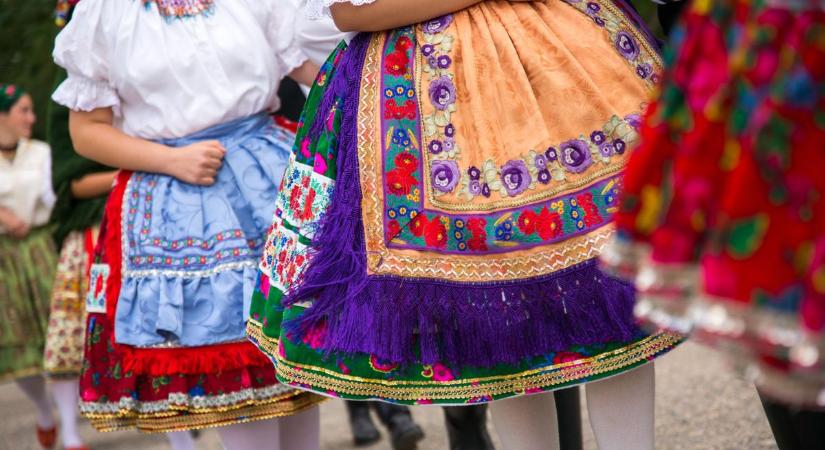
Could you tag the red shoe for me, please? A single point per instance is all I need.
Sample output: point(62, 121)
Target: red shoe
point(47, 437)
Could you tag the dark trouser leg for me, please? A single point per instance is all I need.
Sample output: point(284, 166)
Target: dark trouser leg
point(795, 429)
point(669, 14)
point(404, 433)
point(568, 410)
point(363, 429)
point(467, 427)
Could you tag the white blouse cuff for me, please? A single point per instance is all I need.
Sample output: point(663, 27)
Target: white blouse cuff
point(316, 9)
point(80, 93)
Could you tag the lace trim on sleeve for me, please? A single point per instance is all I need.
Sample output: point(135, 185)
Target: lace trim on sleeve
point(315, 9)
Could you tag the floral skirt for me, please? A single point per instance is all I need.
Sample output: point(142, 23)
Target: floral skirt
point(169, 387)
point(434, 240)
point(26, 275)
point(723, 217)
point(63, 356)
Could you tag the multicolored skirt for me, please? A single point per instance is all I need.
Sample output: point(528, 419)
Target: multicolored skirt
point(723, 216)
point(172, 256)
point(63, 356)
point(450, 188)
point(26, 275)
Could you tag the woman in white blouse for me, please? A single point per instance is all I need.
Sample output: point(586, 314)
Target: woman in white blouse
point(177, 93)
point(27, 253)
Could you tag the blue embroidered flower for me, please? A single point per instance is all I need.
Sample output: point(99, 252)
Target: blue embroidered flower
point(619, 146)
point(474, 173)
point(552, 154)
point(504, 232)
point(459, 224)
point(597, 137)
point(438, 24)
point(449, 130)
point(627, 45)
point(515, 177)
point(197, 391)
point(435, 147)
point(401, 137)
point(442, 92)
point(575, 155)
point(444, 175)
point(544, 176)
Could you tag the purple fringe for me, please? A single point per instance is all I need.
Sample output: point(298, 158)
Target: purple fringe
point(408, 321)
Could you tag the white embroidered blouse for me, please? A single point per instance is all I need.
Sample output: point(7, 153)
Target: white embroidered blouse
point(169, 77)
point(26, 183)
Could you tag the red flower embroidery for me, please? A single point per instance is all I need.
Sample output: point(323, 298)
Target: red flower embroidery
point(406, 161)
point(396, 62)
point(403, 43)
point(393, 111)
point(476, 225)
point(418, 224)
point(435, 234)
point(527, 222)
point(400, 182)
point(478, 243)
point(549, 224)
point(591, 211)
point(394, 228)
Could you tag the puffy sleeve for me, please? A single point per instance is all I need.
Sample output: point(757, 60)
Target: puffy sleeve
point(279, 17)
point(318, 8)
point(82, 48)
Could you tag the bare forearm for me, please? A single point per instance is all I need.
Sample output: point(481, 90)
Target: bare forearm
point(93, 185)
point(388, 14)
point(306, 73)
point(95, 138)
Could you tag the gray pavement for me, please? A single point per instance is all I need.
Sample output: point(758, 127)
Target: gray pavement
point(700, 406)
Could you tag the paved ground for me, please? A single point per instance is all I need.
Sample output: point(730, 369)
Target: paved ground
point(699, 406)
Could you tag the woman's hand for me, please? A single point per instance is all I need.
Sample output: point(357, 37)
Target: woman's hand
point(197, 163)
point(16, 226)
point(93, 185)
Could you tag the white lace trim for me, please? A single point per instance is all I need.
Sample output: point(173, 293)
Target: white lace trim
point(315, 9)
point(80, 93)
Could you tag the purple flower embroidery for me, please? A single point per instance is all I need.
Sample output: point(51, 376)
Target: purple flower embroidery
point(427, 49)
point(438, 24)
point(515, 177)
point(449, 144)
point(597, 137)
point(444, 62)
point(619, 146)
point(474, 173)
point(606, 149)
point(627, 45)
point(444, 175)
point(644, 70)
point(540, 162)
point(593, 7)
point(474, 187)
point(433, 62)
point(442, 92)
point(575, 155)
point(485, 190)
point(435, 147)
point(552, 154)
point(544, 176)
point(598, 21)
point(634, 120)
point(449, 130)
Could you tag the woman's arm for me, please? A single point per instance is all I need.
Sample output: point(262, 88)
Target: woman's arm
point(15, 225)
point(387, 14)
point(94, 137)
point(93, 185)
point(306, 73)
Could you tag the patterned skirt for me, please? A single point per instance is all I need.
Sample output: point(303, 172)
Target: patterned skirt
point(63, 356)
point(451, 186)
point(174, 257)
point(26, 276)
point(723, 217)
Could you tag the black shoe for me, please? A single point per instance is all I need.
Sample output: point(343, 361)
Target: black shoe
point(364, 431)
point(405, 433)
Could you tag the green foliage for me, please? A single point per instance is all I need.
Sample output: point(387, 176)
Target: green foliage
point(27, 33)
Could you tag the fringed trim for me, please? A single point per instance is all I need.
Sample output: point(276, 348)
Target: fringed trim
point(192, 360)
point(411, 321)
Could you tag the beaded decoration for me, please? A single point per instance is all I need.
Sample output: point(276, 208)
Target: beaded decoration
point(176, 9)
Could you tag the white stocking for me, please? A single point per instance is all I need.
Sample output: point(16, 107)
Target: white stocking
point(66, 396)
point(258, 435)
point(527, 422)
point(621, 410)
point(301, 431)
point(181, 440)
point(35, 388)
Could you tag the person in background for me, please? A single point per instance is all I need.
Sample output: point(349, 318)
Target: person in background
point(27, 254)
point(181, 104)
